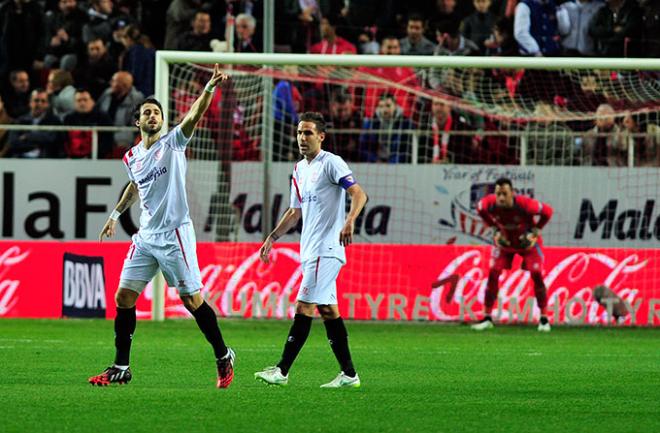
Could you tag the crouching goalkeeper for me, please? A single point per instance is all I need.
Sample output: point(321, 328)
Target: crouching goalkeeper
point(517, 221)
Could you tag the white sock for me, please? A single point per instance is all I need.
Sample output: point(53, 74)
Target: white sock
point(121, 367)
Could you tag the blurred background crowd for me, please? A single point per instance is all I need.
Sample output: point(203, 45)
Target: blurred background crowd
point(87, 63)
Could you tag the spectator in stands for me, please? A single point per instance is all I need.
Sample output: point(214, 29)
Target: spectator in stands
point(549, 142)
point(343, 116)
point(64, 35)
point(537, 27)
point(17, 96)
point(438, 145)
point(617, 29)
point(179, 15)
point(479, 26)
point(502, 42)
point(404, 77)
point(79, 143)
point(118, 102)
point(367, 43)
point(385, 136)
point(451, 42)
point(362, 15)
point(604, 145)
point(198, 38)
point(298, 23)
point(446, 10)
point(5, 119)
point(100, 21)
point(96, 69)
point(330, 42)
point(21, 44)
point(578, 42)
point(245, 42)
point(651, 28)
point(36, 144)
point(415, 43)
point(287, 103)
point(61, 92)
point(138, 59)
point(643, 138)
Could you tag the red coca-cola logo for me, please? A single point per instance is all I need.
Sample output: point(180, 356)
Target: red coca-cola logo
point(569, 285)
point(252, 288)
point(9, 287)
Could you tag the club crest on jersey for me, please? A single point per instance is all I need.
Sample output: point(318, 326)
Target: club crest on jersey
point(158, 155)
point(138, 164)
point(315, 177)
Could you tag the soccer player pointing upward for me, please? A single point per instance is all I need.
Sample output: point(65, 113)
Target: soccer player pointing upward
point(166, 239)
point(318, 189)
point(517, 221)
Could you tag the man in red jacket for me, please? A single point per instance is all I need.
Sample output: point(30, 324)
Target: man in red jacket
point(516, 231)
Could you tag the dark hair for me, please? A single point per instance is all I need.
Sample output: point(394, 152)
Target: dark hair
point(333, 20)
point(504, 181)
point(504, 25)
point(340, 96)
point(387, 95)
point(388, 37)
point(314, 117)
point(13, 74)
point(451, 27)
point(201, 11)
point(415, 17)
point(83, 90)
point(148, 100)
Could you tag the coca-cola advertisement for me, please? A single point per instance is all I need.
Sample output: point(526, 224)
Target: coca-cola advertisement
point(379, 282)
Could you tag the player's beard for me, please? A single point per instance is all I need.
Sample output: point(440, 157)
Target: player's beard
point(151, 130)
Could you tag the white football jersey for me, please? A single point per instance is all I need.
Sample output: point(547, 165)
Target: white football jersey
point(160, 175)
point(315, 187)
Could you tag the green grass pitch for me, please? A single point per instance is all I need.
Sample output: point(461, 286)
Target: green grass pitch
point(415, 378)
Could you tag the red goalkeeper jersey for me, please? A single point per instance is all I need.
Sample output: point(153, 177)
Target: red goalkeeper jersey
point(515, 221)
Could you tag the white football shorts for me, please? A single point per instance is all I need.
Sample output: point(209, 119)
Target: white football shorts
point(319, 281)
point(173, 251)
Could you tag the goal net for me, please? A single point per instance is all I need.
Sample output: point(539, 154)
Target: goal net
point(426, 139)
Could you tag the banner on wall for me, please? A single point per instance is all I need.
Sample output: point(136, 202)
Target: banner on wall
point(424, 204)
point(71, 199)
point(83, 286)
point(379, 282)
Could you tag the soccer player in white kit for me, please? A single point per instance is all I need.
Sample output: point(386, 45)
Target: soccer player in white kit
point(318, 191)
point(166, 238)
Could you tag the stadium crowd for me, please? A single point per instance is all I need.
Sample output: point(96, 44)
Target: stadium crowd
point(94, 60)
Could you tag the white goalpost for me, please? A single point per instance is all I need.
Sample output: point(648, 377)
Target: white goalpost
point(535, 120)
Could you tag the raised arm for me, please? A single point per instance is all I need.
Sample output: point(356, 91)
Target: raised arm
point(129, 197)
point(199, 107)
point(288, 220)
point(358, 200)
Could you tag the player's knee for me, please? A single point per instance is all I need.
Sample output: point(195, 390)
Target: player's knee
point(125, 298)
point(305, 309)
point(327, 312)
point(191, 302)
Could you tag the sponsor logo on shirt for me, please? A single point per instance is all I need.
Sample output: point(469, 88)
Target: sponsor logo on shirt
point(153, 175)
point(309, 197)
